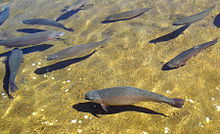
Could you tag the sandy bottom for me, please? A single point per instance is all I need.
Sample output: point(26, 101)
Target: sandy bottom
point(53, 102)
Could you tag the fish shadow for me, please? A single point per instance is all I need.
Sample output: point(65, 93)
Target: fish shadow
point(171, 35)
point(6, 79)
point(60, 65)
point(30, 30)
point(95, 109)
point(67, 15)
point(32, 49)
point(216, 21)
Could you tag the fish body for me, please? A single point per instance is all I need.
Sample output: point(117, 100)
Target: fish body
point(31, 39)
point(77, 51)
point(182, 58)
point(4, 14)
point(125, 15)
point(15, 60)
point(128, 96)
point(194, 18)
point(77, 5)
point(46, 22)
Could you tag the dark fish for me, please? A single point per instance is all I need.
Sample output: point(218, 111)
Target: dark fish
point(181, 59)
point(46, 22)
point(125, 15)
point(194, 18)
point(15, 60)
point(77, 51)
point(79, 4)
point(4, 14)
point(171, 35)
point(128, 96)
point(216, 21)
point(31, 39)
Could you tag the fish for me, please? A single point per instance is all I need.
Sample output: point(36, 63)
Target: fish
point(31, 39)
point(193, 18)
point(171, 35)
point(128, 96)
point(15, 60)
point(79, 4)
point(181, 59)
point(4, 14)
point(46, 22)
point(77, 51)
point(125, 15)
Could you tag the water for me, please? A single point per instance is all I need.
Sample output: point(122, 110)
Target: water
point(52, 102)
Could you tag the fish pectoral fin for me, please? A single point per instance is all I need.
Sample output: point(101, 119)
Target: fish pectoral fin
point(104, 107)
point(87, 6)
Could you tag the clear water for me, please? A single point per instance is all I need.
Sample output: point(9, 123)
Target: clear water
point(53, 103)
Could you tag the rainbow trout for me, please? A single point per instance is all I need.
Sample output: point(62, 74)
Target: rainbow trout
point(77, 51)
point(128, 96)
point(31, 39)
point(46, 22)
point(125, 15)
point(15, 60)
point(181, 59)
point(194, 18)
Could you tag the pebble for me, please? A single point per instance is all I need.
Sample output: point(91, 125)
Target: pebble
point(200, 125)
point(207, 119)
point(34, 78)
point(45, 75)
point(3, 94)
point(42, 110)
point(166, 130)
point(33, 64)
point(80, 121)
point(86, 116)
point(190, 100)
point(68, 81)
point(218, 108)
point(74, 121)
point(39, 63)
point(213, 98)
point(66, 90)
point(69, 69)
point(168, 91)
point(79, 130)
point(53, 78)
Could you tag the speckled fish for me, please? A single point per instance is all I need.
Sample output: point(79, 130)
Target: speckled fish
point(79, 4)
point(194, 18)
point(31, 39)
point(4, 14)
point(77, 51)
point(181, 59)
point(15, 60)
point(46, 22)
point(128, 96)
point(125, 15)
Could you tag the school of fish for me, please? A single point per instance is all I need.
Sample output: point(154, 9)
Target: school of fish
point(110, 95)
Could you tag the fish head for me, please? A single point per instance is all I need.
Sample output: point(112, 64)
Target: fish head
point(55, 35)
point(93, 96)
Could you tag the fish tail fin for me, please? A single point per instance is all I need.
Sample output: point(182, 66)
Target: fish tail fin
point(86, 6)
point(178, 102)
point(69, 29)
point(13, 87)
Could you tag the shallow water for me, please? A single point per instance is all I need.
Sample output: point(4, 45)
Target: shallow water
point(52, 102)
